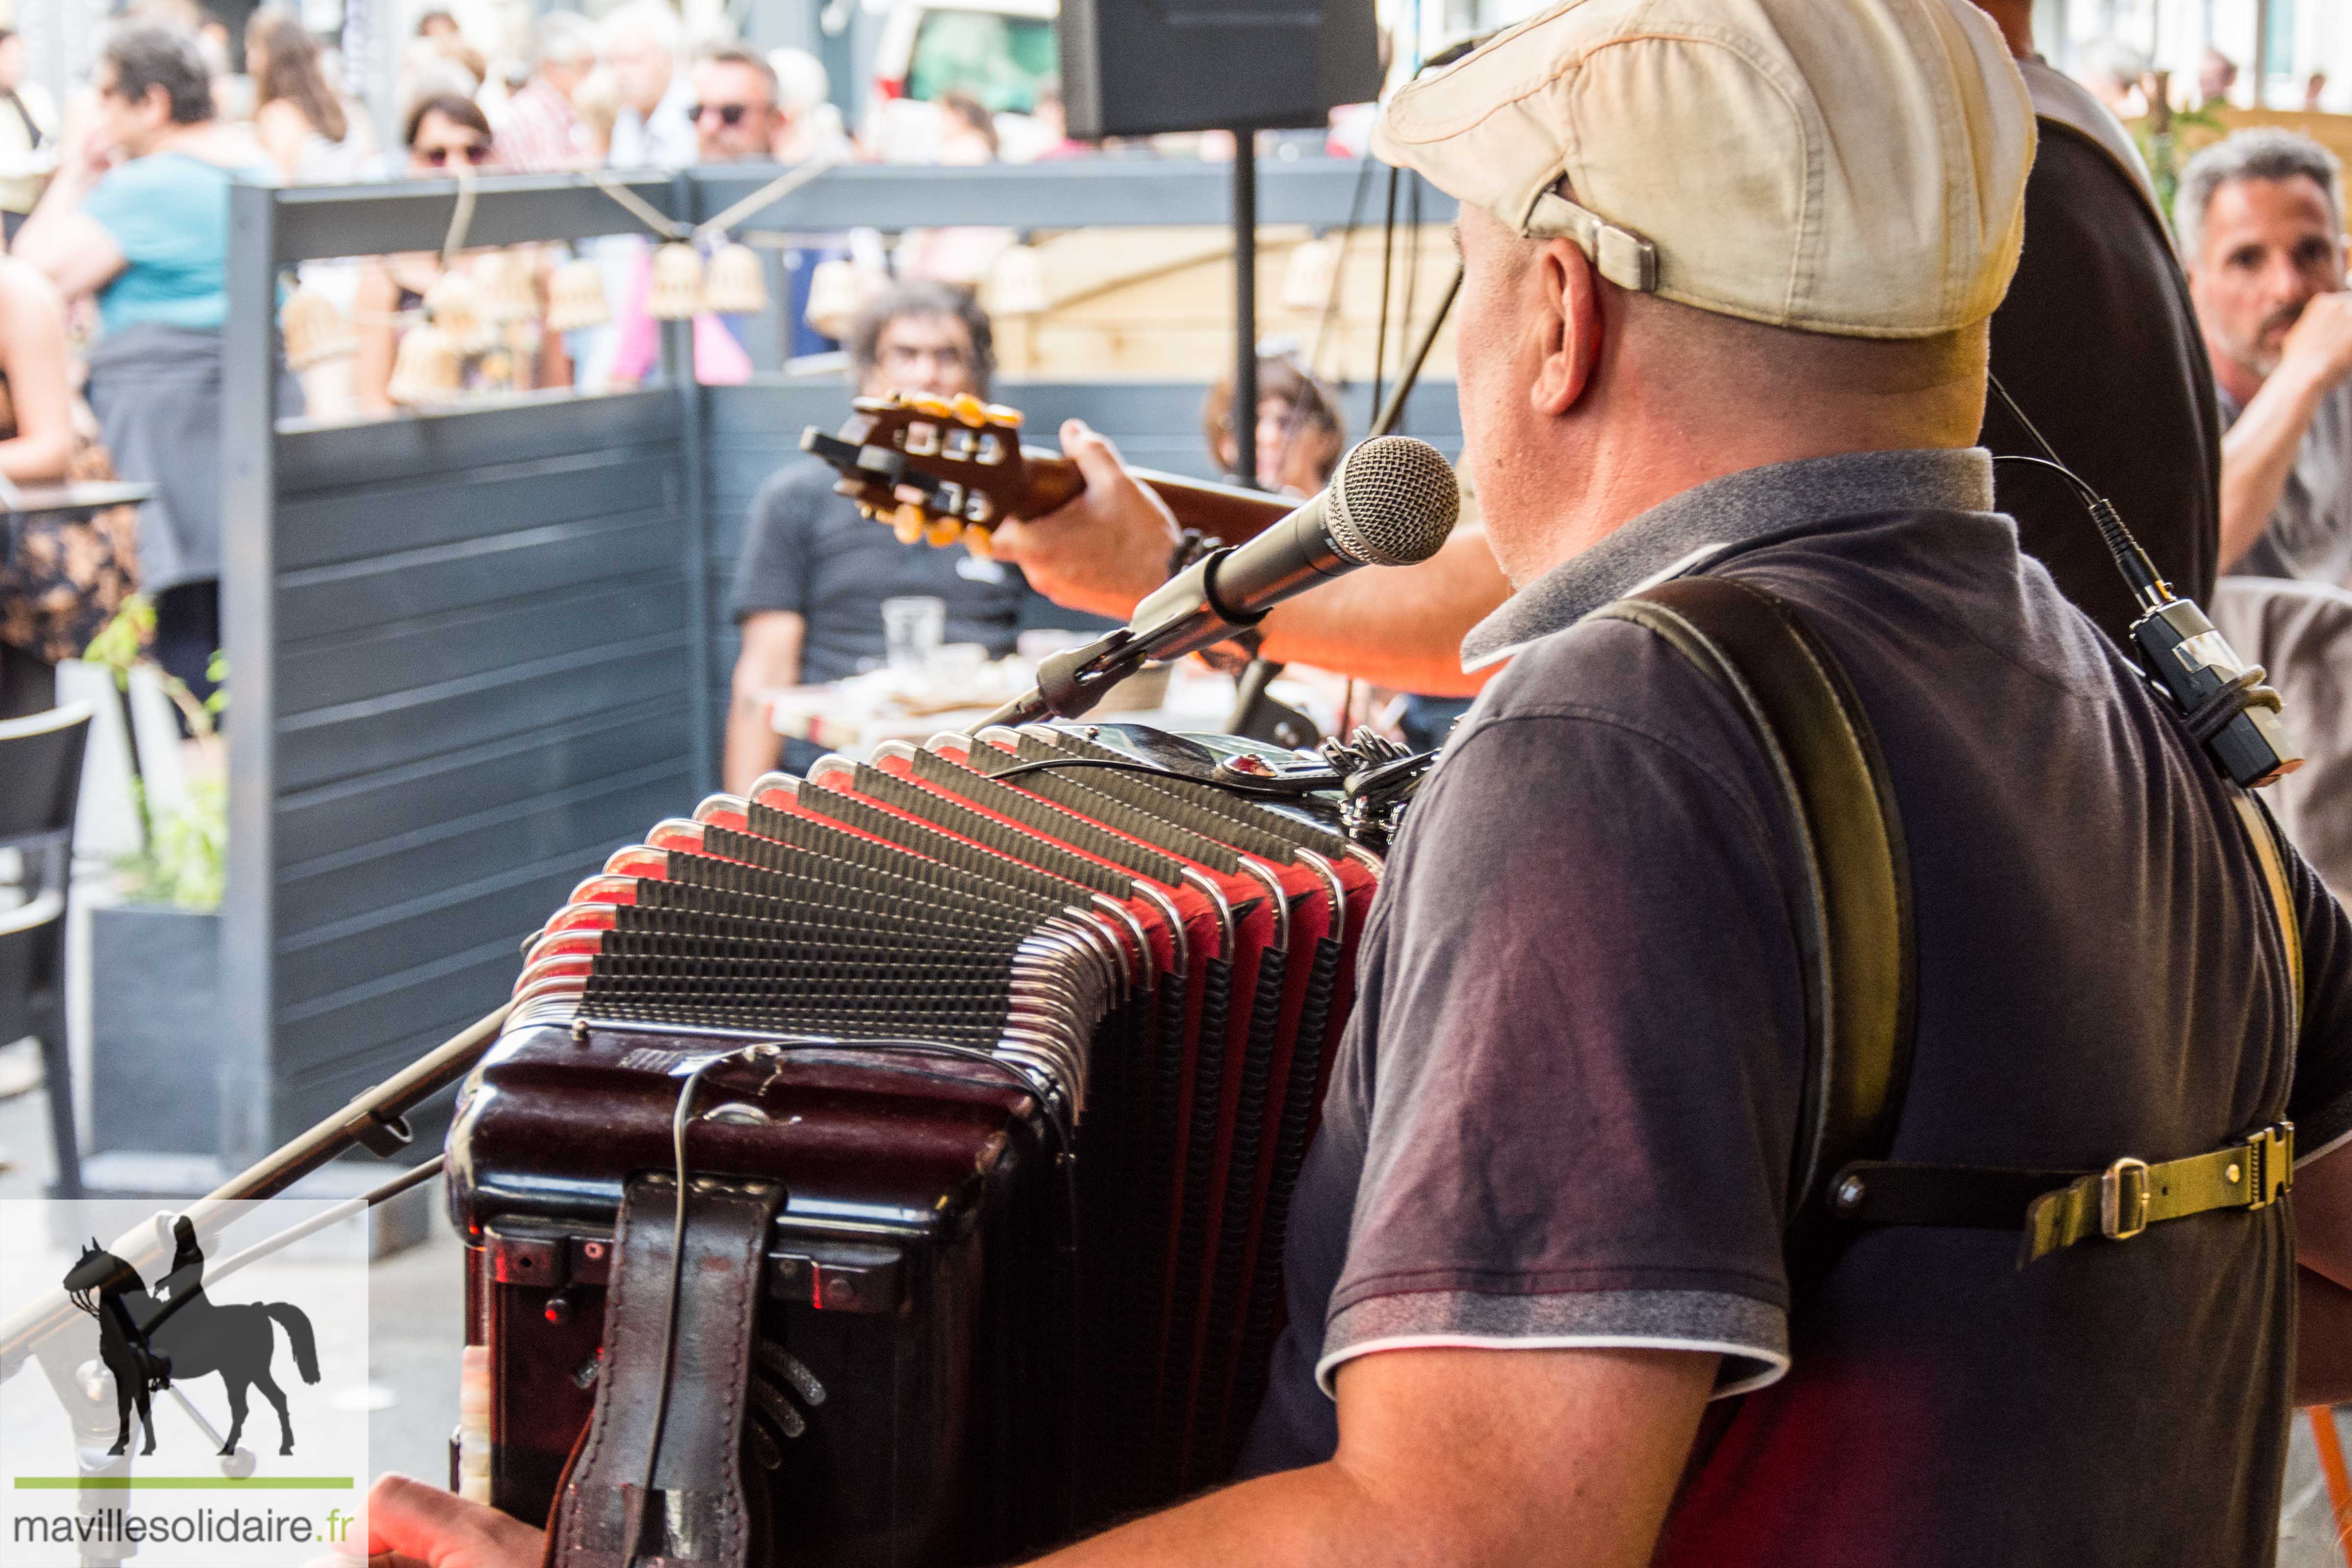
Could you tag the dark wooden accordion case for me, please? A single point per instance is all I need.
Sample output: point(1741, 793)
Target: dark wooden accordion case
point(1026, 1071)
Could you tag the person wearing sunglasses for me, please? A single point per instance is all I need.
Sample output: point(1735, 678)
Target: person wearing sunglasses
point(444, 132)
point(137, 217)
point(737, 119)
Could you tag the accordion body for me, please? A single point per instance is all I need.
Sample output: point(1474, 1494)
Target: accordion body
point(989, 1067)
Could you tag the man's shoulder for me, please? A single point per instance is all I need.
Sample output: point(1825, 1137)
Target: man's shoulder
point(1580, 702)
point(2062, 102)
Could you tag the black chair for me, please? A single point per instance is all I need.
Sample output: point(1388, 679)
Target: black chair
point(40, 781)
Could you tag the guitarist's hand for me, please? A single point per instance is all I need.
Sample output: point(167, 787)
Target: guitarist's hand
point(1104, 551)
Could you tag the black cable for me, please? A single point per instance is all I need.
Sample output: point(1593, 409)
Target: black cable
point(1411, 288)
point(2082, 486)
point(1388, 259)
point(2049, 451)
point(2139, 574)
point(1331, 301)
point(1237, 786)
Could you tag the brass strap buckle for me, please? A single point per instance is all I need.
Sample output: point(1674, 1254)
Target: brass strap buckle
point(2272, 1154)
point(2121, 1215)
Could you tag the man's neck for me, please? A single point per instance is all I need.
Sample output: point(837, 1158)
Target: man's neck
point(1623, 484)
point(2015, 20)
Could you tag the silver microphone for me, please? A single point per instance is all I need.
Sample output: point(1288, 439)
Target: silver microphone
point(1391, 503)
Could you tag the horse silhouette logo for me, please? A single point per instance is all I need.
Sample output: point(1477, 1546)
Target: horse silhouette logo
point(148, 1341)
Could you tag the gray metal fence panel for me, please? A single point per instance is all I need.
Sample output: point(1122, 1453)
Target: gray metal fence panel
point(480, 640)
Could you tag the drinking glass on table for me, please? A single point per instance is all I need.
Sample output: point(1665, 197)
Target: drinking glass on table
point(913, 626)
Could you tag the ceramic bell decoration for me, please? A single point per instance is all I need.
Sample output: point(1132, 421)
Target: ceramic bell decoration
point(453, 304)
point(1307, 282)
point(838, 289)
point(314, 330)
point(736, 284)
point(510, 290)
point(575, 297)
point(429, 370)
point(678, 283)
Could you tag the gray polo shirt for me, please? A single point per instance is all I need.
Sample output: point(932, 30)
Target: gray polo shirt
point(1564, 1111)
point(2310, 532)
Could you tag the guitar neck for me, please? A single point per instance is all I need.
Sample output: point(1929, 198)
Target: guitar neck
point(1223, 512)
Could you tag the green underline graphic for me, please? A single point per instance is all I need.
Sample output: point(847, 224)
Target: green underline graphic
point(182, 1484)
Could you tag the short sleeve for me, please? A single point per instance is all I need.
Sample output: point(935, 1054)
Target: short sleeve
point(122, 203)
point(2321, 1104)
point(1583, 1068)
point(775, 570)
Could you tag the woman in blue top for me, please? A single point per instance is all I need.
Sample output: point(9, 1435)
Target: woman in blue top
point(138, 214)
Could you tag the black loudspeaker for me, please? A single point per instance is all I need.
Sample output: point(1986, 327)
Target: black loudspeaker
point(1137, 68)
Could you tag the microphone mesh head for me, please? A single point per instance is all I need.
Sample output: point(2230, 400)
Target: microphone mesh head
point(1392, 503)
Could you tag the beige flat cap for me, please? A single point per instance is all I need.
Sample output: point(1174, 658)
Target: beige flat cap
point(1847, 166)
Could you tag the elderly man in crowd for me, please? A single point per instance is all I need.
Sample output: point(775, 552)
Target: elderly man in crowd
point(738, 113)
point(541, 133)
point(2261, 225)
point(643, 43)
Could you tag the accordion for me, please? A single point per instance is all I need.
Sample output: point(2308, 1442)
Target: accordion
point(893, 1167)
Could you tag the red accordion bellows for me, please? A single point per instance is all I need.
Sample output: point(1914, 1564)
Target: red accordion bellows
point(1055, 1048)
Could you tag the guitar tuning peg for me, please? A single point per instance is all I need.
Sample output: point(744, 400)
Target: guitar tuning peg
point(981, 542)
point(945, 531)
point(969, 409)
point(998, 414)
point(908, 522)
point(924, 403)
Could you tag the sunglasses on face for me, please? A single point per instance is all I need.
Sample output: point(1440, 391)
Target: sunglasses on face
point(729, 114)
point(475, 152)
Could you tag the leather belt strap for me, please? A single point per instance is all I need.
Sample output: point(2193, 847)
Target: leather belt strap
point(2055, 1209)
point(696, 1515)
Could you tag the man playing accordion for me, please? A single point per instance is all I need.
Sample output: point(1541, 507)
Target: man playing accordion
point(1728, 266)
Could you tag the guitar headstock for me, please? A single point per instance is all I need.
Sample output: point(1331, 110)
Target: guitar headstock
point(941, 468)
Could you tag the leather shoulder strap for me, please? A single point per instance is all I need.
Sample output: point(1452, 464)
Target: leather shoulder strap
point(1854, 914)
point(2262, 833)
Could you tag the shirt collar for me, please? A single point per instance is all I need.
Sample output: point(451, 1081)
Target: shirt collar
point(1685, 530)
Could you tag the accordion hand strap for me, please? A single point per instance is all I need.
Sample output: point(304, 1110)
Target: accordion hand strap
point(696, 1512)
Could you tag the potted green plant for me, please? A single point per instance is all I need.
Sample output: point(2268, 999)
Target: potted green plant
point(157, 1023)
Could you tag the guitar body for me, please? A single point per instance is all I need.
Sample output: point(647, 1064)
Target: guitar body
point(947, 470)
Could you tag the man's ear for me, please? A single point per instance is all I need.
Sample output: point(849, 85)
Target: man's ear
point(1567, 315)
